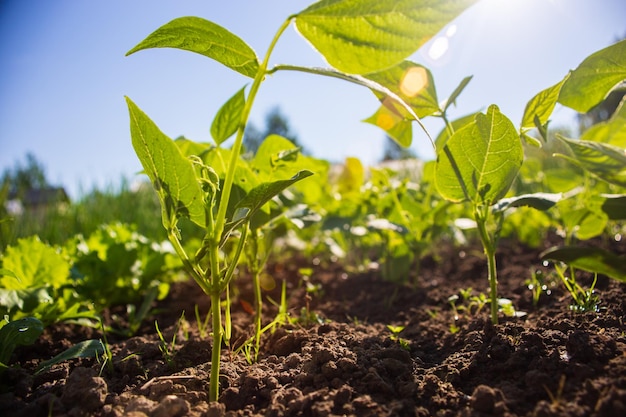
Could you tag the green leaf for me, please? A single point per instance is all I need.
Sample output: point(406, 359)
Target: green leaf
point(364, 36)
point(22, 332)
point(85, 349)
point(594, 78)
point(228, 117)
point(539, 201)
point(172, 175)
point(274, 153)
point(614, 206)
point(457, 91)
point(583, 222)
point(32, 263)
point(263, 193)
point(206, 38)
point(413, 83)
point(540, 107)
point(590, 259)
point(480, 161)
point(613, 131)
point(444, 135)
point(389, 118)
point(605, 161)
point(257, 197)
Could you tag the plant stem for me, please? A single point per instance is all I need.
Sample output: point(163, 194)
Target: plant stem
point(481, 217)
point(220, 221)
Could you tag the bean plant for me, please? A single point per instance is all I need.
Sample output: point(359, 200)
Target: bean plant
point(364, 42)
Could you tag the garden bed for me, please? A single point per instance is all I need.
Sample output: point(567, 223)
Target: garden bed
point(550, 362)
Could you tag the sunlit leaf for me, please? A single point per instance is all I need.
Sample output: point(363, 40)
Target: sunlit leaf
point(480, 161)
point(31, 263)
point(228, 117)
point(172, 175)
point(364, 36)
point(206, 38)
point(389, 118)
point(258, 197)
point(594, 78)
point(605, 161)
point(613, 131)
point(457, 91)
point(590, 259)
point(413, 83)
point(540, 107)
point(351, 177)
point(445, 133)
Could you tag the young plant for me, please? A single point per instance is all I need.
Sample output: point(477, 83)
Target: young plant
point(478, 163)
point(189, 187)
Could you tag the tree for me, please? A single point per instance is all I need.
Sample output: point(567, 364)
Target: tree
point(275, 123)
point(394, 151)
point(25, 177)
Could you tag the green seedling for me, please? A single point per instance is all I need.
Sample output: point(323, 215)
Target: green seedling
point(201, 190)
point(395, 336)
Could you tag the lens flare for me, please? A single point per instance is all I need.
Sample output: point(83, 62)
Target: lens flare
point(414, 80)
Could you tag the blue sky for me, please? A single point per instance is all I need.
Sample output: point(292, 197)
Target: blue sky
point(63, 76)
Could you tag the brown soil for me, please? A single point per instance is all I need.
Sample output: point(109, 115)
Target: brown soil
point(340, 359)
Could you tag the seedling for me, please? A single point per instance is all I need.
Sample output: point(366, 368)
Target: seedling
point(395, 336)
point(200, 190)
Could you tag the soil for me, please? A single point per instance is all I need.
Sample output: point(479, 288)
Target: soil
point(340, 358)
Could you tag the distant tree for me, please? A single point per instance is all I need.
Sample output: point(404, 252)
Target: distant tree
point(26, 177)
point(275, 123)
point(393, 151)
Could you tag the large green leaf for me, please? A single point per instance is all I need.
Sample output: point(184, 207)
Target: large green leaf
point(205, 38)
point(364, 36)
point(228, 117)
point(594, 78)
point(589, 259)
point(480, 161)
point(605, 161)
point(172, 175)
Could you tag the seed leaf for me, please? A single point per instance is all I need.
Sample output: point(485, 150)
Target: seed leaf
point(172, 175)
point(228, 117)
point(589, 259)
point(364, 36)
point(594, 78)
point(480, 161)
point(206, 38)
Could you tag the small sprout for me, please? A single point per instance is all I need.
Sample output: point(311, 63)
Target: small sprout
point(395, 332)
